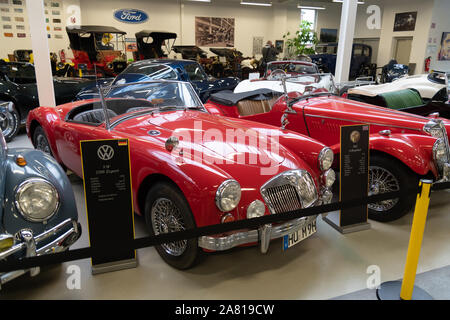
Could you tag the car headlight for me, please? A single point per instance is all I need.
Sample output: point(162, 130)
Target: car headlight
point(328, 178)
point(326, 158)
point(433, 128)
point(440, 152)
point(256, 209)
point(228, 195)
point(37, 200)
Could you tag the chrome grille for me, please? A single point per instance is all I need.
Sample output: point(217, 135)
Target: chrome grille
point(283, 198)
point(290, 190)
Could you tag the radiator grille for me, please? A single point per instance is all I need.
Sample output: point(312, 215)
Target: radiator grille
point(283, 198)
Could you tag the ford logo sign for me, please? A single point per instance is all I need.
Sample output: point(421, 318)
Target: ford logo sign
point(130, 15)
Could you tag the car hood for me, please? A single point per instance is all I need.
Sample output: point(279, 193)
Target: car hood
point(355, 111)
point(211, 137)
point(416, 82)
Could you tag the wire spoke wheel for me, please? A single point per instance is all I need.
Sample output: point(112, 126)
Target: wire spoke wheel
point(166, 217)
point(42, 144)
point(382, 181)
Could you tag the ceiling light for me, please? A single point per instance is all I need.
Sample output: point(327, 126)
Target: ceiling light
point(200, 0)
point(312, 8)
point(359, 2)
point(257, 4)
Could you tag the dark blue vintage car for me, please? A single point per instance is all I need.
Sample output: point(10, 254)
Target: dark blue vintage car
point(360, 63)
point(155, 69)
point(38, 213)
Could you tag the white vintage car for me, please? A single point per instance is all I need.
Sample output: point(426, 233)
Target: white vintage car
point(430, 86)
point(301, 76)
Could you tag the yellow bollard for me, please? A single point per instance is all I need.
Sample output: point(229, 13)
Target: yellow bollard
point(394, 290)
point(415, 240)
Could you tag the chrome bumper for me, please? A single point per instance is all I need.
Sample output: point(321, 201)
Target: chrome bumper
point(263, 235)
point(29, 243)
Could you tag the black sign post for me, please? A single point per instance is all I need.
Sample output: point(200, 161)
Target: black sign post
point(109, 204)
point(354, 179)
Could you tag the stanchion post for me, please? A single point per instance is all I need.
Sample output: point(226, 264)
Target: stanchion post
point(405, 290)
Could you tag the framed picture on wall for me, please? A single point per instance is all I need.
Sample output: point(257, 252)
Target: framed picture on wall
point(444, 51)
point(214, 32)
point(405, 21)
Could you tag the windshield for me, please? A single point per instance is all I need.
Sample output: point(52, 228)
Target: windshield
point(151, 71)
point(136, 99)
point(291, 68)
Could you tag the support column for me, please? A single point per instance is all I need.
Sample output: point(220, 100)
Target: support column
point(41, 53)
point(346, 33)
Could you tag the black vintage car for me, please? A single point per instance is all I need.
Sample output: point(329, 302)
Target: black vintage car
point(150, 43)
point(360, 65)
point(190, 52)
point(18, 85)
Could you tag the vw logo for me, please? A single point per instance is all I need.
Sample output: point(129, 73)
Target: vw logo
point(105, 152)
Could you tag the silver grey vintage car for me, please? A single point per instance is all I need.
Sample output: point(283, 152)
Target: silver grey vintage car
point(38, 214)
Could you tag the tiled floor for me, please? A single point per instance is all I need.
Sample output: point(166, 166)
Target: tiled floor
point(326, 265)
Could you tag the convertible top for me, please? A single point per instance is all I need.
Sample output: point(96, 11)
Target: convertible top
point(155, 34)
point(229, 98)
point(93, 29)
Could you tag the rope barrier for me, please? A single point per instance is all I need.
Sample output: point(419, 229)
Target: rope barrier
point(84, 253)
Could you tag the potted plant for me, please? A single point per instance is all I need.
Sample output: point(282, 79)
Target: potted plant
point(303, 42)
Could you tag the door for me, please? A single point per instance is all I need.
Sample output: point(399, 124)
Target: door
point(402, 50)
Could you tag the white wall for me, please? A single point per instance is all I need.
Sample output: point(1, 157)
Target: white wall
point(267, 22)
point(420, 34)
point(440, 18)
point(11, 44)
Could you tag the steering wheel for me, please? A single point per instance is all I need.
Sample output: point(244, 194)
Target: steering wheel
point(277, 74)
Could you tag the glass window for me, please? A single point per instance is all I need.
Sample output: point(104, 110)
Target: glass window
point(310, 16)
point(194, 72)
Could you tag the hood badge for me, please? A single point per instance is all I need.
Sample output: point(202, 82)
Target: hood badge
point(154, 132)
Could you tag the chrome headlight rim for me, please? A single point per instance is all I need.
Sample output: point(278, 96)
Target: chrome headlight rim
point(20, 188)
point(432, 125)
point(328, 178)
point(252, 206)
point(324, 153)
point(223, 186)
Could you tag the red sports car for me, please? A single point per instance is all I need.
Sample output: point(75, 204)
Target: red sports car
point(191, 168)
point(404, 147)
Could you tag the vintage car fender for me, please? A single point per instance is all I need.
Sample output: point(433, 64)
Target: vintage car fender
point(51, 117)
point(413, 150)
point(42, 166)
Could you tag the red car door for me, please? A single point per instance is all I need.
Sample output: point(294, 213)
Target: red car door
point(68, 142)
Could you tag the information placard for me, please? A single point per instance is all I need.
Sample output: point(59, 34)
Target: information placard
point(354, 173)
point(354, 179)
point(109, 203)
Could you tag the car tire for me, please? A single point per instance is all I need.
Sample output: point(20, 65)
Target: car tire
point(387, 175)
point(164, 196)
point(40, 141)
point(9, 124)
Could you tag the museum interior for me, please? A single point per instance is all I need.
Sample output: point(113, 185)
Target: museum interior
point(225, 149)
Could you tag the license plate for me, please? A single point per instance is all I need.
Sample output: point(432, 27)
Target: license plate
point(300, 235)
